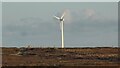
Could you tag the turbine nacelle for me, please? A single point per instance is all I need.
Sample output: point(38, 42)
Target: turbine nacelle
point(61, 19)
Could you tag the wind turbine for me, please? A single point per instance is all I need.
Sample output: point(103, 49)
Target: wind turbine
point(61, 19)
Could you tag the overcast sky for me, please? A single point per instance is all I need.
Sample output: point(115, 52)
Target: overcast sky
point(0, 31)
point(86, 25)
point(60, 0)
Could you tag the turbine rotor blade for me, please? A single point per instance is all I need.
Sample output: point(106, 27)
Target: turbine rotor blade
point(63, 15)
point(57, 17)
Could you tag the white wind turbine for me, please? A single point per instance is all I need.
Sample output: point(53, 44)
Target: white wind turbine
point(61, 19)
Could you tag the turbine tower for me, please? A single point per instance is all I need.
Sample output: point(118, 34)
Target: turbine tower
point(61, 19)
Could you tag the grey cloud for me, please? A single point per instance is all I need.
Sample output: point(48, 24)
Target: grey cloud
point(29, 26)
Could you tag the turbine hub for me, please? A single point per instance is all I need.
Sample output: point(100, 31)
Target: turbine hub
point(61, 19)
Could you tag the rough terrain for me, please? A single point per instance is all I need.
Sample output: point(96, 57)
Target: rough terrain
point(60, 57)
